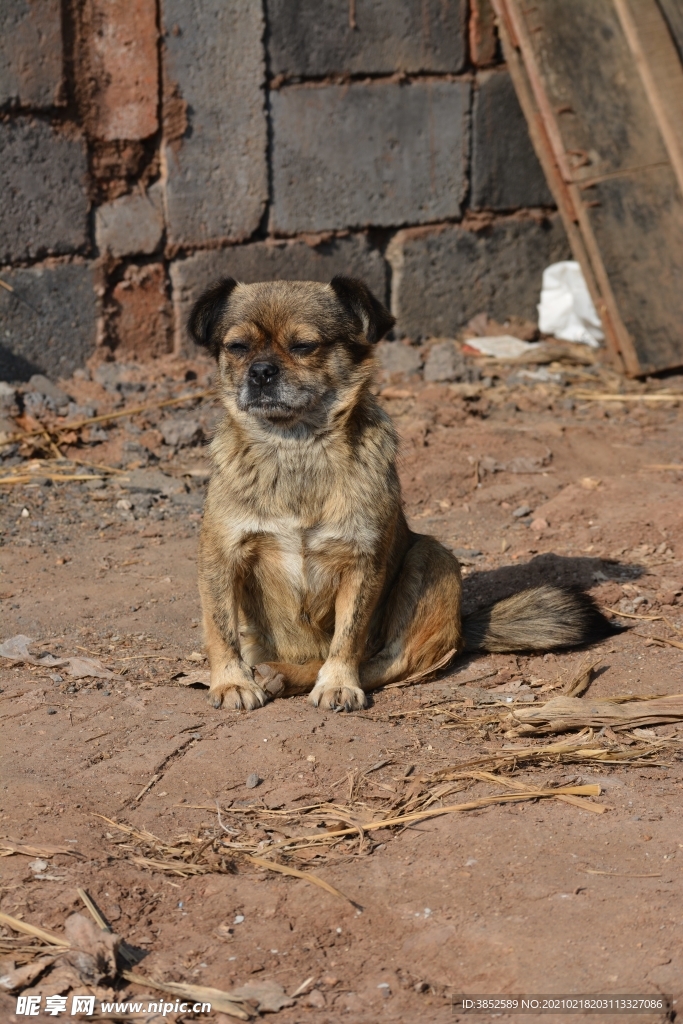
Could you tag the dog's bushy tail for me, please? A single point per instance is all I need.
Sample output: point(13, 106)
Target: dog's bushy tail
point(539, 619)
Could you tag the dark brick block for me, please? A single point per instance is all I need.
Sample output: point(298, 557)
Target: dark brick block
point(293, 261)
point(506, 173)
point(43, 199)
point(379, 154)
point(30, 52)
point(442, 277)
point(214, 120)
point(56, 332)
point(389, 35)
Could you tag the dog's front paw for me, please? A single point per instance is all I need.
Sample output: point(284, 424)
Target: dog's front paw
point(234, 687)
point(337, 688)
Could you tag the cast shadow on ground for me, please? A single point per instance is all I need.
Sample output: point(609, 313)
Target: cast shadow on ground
point(485, 587)
point(14, 367)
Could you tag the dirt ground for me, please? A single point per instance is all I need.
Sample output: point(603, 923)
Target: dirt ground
point(527, 479)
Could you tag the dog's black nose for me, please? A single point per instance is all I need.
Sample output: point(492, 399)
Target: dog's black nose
point(263, 373)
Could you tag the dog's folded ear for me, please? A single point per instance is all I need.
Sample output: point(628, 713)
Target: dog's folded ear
point(206, 313)
point(359, 300)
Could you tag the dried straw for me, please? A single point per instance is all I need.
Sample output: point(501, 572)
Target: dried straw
point(63, 428)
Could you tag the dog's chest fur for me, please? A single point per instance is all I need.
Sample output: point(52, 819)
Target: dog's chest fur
point(295, 513)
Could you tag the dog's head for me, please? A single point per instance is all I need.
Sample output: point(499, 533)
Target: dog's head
point(290, 351)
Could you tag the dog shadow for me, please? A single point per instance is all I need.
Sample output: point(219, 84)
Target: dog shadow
point(485, 587)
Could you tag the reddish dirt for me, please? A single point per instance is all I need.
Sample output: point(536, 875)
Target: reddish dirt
point(505, 900)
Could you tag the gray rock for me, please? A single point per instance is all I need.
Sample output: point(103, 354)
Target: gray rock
point(390, 35)
point(445, 362)
point(181, 432)
point(394, 357)
point(261, 261)
point(194, 500)
point(43, 198)
point(109, 375)
point(506, 173)
point(57, 332)
point(442, 277)
point(253, 780)
point(97, 434)
point(37, 405)
point(523, 510)
point(215, 121)
point(269, 996)
point(130, 224)
point(8, 400)
point(47, 389)
point(31, 57)
point(151, 481)
point(364, 154)
point(80, 412)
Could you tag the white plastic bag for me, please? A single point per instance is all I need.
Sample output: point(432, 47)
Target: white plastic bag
point(566, 309)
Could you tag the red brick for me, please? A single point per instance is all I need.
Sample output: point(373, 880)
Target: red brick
point(142, 317)
point(123, 64)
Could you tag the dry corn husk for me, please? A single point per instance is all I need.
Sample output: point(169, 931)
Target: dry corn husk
point(562, 714)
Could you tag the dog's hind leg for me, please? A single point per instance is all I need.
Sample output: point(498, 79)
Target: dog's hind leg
point(421, 617)
point(283, 679)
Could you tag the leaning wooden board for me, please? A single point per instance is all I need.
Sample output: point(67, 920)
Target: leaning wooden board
point(601, 86)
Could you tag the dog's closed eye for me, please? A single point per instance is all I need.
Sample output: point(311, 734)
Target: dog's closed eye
point(302, 348)
point(238, 347)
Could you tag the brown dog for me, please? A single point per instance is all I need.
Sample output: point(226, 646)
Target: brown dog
point(306, 560)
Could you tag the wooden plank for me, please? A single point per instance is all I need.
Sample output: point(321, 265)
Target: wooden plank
point(606, 157)
point(561, 193)
point(672, 11)
point(547, 140)
point(660, 71)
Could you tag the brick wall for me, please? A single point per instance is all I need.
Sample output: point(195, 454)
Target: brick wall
point(150, 146)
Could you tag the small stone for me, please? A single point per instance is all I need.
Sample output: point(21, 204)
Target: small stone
point(522, 511)
point(52, 711)
point(108, 375)
point(395, 357)
point(444, 363)
point(239, 919)
point(181, 433)
point(124, 505)
point(8, 399)
point(43, 386)
point(315, 999)
point(25, 513)
point(420, 986)
point(253, 781)
point(97, 434)
point(539, 524)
